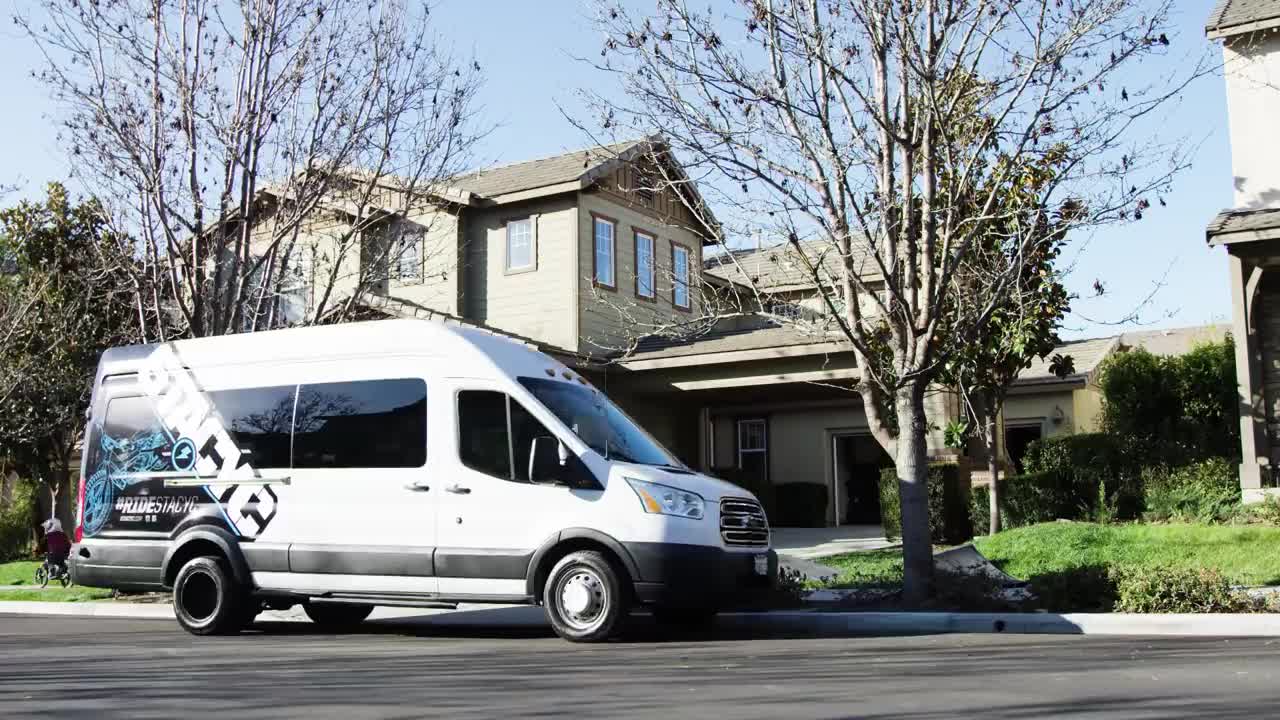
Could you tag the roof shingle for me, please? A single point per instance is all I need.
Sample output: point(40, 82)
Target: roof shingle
point(543, 172)
point(1229, 14)
point(781, 267)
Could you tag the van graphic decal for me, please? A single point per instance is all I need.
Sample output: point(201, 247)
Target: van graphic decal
point(183, 433)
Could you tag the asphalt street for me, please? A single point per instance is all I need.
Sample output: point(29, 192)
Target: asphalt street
point(86, 667)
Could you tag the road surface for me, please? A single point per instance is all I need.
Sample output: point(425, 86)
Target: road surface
point(63, 667)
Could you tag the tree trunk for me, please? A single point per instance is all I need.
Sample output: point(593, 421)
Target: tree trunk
point(913, 476)
point(993, 468)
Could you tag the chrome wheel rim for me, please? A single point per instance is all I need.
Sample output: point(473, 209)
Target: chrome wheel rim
point(583, 599)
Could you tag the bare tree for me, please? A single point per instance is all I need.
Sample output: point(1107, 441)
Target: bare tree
point(887, 132)
point(254, 148)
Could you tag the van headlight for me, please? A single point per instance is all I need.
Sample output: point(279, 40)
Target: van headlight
point(667, 500)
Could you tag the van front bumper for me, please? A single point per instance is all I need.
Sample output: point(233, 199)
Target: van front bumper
point(701, 575)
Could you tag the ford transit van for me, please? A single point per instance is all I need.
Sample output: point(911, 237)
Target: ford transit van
point(398, 462)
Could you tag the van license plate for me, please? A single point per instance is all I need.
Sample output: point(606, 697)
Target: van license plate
point(762, 564)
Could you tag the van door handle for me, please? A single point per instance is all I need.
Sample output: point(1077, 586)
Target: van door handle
point(419, 487)
point(458, 490)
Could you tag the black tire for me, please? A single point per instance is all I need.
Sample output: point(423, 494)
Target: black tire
point(207, 600)
point(42, 576)
point(65, 578)
point(684, 618)
point(337, 616)
point(585, 598)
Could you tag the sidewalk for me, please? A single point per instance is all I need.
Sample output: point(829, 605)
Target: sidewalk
point(816, 623)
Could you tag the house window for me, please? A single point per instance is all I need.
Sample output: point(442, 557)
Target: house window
point(520, 248)
point(680, 276)
point(603, 233)
point(644, 265)
point(753, 448)
point(407, 261)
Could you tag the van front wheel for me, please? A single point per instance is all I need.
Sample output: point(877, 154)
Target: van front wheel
point(206, 599)
point(585, 598)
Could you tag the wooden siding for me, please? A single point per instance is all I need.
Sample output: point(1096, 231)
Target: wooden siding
point(439, 287)
point(537, 303)
point(609, 320)
point(1268, 326)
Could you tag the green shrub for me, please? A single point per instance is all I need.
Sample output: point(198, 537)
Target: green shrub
point(1025, 500)
point(1086, 588)
point(949, 521)
point(1266, 512)
point(1184, 406)
point(1206, 491)
point(753, 483)
point(1089, 467)
point(800, 505)
point(15, 523)
point(1178, 590)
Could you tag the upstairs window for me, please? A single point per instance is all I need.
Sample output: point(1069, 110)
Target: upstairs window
point(680, 276)
point(644, 265)
point(406, 260)
point(520, 248)
point(603, 233)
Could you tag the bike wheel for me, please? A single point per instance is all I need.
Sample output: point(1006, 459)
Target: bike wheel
point(65, 578)
point(42, 576)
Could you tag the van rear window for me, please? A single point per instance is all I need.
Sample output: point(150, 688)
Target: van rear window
point(363, 424)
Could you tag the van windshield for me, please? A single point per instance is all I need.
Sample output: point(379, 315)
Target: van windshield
point(598, 422)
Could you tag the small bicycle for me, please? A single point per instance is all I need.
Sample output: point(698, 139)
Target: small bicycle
point(53, 572)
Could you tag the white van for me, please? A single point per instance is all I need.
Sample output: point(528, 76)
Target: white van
point(399, 462)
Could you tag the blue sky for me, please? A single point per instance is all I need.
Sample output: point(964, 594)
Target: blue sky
point(528, 50)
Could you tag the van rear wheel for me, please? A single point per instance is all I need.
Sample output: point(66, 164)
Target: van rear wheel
point(206, 599)
point(585, 598)
point(337, 616)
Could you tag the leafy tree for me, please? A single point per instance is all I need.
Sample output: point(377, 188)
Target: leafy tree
point(63, 300)
point(888, 132)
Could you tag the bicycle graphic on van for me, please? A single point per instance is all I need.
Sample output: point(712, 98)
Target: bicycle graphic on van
point(117, 459)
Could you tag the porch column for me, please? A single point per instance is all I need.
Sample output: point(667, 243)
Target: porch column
point(705, 449)
point(1255, 446)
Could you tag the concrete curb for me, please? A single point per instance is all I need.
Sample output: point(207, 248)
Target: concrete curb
point(808, 622)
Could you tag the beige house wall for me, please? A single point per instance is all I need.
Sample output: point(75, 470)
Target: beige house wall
point(537, 303)
point(610, 319)
point(440, 287)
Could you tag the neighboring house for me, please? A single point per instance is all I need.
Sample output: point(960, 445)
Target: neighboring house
point(574, 252)
point(1250, 229)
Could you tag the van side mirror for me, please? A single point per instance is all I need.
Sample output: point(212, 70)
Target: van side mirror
point(548, 458)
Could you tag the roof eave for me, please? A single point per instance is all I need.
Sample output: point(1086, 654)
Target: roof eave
point(1222, 32)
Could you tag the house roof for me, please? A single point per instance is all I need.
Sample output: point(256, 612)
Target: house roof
point(1231, 226)
point(781, 267)
point(543, 172)
point(1175, 341)
point(1085, 355)
point(1232, 17)
point(746, 332)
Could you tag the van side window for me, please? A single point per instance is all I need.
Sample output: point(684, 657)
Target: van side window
point(495, 434)
point(363, 424)
point(133, 439)
point(259, 421)
point(482, 432)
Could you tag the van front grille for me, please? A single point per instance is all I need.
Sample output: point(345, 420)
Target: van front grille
point(742, 522)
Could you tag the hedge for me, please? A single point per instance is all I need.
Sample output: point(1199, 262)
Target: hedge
point(949, 521)
point(800, 504)
point(1026, 500)
point(15, 522)
point(1082, 464)
point(753, 483)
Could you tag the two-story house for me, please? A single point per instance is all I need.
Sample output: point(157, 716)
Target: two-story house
point(1250, 230)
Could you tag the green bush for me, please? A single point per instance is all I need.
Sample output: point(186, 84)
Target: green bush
point(1178, 590)
point(1206, 491)
point(15, 523)
point(1182, 406)
point(1085, 588)
point(949, 521)
point(800, 505)
point(1090, 467)
point(1025, 500)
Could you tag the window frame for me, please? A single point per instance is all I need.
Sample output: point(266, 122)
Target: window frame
point(613, 253)
point(676, 282)
point(636, 233)
point(396, 268)
point(508, 268)
point(737, 441)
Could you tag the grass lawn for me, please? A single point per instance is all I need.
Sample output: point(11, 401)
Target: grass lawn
point(23, 573)
point(1248, 555)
